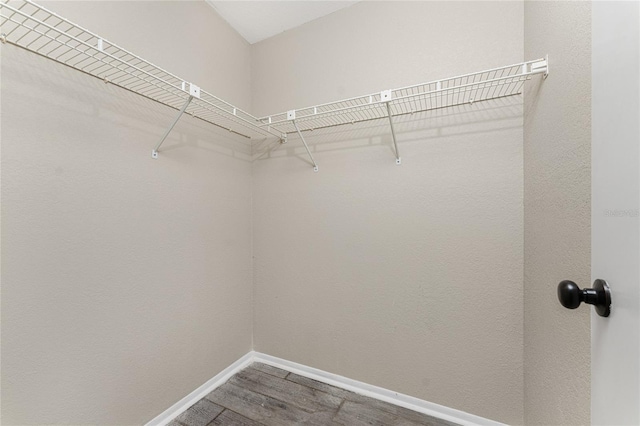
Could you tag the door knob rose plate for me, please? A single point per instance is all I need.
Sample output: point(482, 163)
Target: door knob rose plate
point(570, 296)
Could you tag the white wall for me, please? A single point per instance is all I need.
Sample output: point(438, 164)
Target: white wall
point(557, 215)
point(126, 281)
point(407, 277)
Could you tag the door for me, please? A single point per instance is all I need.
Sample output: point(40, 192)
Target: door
point(615, 235)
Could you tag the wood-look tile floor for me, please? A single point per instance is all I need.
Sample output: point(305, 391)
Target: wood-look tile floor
point(265, 395)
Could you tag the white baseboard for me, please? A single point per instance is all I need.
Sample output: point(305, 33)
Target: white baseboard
point(406, 401)
point(181, 406)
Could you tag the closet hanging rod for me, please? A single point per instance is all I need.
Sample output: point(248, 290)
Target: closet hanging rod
point(30, 26)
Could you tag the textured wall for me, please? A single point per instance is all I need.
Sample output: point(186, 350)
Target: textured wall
point(126, 281)
point(407, 277)
point(557, 193)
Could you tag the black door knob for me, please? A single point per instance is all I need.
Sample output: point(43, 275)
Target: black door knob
point(570, 296)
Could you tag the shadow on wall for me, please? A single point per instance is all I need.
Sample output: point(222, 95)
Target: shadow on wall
point(481, 117)
point(531, 93)
point(40, 81)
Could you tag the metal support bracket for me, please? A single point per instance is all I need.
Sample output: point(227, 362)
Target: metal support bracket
point(546, 73)
point(193, 90)
point(315, 166)
point(541, 66)
point(154, 153)
point(393, 133)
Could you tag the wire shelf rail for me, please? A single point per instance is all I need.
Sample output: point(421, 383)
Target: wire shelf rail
point(464, 89)
point(30, 26)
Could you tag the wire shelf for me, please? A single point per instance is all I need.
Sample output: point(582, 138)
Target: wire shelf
point(30, 26)
point(449, 92)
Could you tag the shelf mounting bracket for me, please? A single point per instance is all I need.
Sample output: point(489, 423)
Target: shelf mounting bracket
point(315, 166)
point(386, 97)
point(154, 153)
point(539, 66)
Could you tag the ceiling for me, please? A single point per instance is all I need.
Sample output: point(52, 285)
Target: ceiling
point(259, 20)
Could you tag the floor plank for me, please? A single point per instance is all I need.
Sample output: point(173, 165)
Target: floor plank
point(303, 397)
point(274, 371)
point(265, 409)
point(323, 387)
point(362, 414)
point(229, 418)
point(261, 395)
point(199, 414)
point(402, 412)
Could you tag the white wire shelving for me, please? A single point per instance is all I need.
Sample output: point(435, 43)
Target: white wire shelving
point(464, 89)
point(30, 26)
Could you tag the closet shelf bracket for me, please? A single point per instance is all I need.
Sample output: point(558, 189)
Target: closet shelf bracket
point(291, 115)
point(194, 92)
point(154, 153)
point(385, 96)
